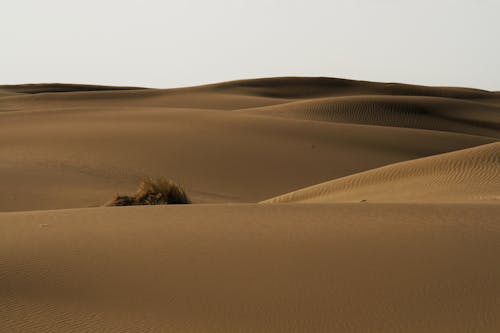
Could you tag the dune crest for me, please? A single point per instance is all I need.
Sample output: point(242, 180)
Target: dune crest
point(314, 87)
point(420, 256)
point(464, 176)
point(432, 113)
point(39, 88)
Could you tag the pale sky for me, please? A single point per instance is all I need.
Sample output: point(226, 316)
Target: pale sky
point(174, 43)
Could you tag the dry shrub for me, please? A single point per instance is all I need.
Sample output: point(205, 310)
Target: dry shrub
point(154, 192)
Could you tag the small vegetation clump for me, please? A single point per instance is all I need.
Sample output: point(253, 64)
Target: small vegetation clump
point(154, 192)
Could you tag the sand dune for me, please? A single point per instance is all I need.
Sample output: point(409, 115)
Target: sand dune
point(95, 142)
point(418, 255)
point(5, 93)
point(252, 268)
point(302, 87)
point(93, 154)
point(284, 87)
point(180, 98)
point(434, 113)
point(464, 176)
point(59, 87)
point(234, 94)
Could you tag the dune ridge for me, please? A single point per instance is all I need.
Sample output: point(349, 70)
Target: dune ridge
point(394, 226)
point(231, 95)
point(433, 113)
point(309, 87)
point(39, 88)
point(282, 88)
point(464, 176)
point(98, 153)
point(98, 144)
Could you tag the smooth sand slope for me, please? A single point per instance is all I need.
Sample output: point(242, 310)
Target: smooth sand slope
point(252, 268)
point(467, 175)
point(65, 146)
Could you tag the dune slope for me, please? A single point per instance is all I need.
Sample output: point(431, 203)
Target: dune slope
point(229, 95)
point(433, 113)
point(84, 156)
point(252, 268)
point(464, 176)
point(314, 87)
point(400, 234)
point(59, 87)
point(64, 146)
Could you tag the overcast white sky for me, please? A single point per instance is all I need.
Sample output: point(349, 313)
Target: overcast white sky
point(169, 43)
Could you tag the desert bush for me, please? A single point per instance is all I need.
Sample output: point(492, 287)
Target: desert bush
point(154, 192)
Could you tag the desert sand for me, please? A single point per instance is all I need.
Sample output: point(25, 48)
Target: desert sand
point(319, 205)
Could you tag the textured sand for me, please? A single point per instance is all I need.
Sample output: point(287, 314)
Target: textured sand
point(415, 250)
point(252, 268)
point(75, 148)
point(433, 113)
point(467, 175)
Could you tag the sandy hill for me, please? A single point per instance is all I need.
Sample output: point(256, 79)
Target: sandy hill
point(464, 176)
point(433, 113)
point(303, 87)
point(93, 154)
point(284, 87)
point(39, 88)
point(95, 142)
point(244, 93)
point(390, 221)
point(252, 268)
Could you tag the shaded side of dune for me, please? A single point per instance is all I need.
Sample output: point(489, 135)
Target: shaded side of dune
point(309, 87)
point(285, 88)
point(94, 143)
point(433, 113)
point(39, 88)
